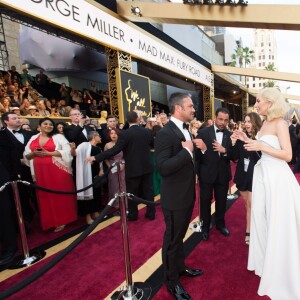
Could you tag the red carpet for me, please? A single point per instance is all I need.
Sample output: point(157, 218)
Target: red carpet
point(95, 268)
point(224, 261)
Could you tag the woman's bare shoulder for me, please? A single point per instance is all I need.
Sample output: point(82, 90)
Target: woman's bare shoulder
point(281, 123)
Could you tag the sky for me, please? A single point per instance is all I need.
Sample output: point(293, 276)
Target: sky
point(288, 46)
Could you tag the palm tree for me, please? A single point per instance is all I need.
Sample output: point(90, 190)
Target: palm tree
point(270, 83)
point(243, 56)
point(271, 67)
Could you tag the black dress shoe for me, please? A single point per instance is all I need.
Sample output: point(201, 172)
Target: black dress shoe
point(150, 216)
point(7, 258)
point(132, 217)
point(179, 292)
point(205, 235)
point(223, 230)
point(191, 272)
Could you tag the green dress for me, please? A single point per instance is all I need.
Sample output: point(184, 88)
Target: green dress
point(156, 175)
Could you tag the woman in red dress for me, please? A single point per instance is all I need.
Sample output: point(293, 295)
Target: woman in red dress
point(49, 157)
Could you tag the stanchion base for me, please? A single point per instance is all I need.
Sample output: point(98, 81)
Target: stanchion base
point(232, 197)
point(196, 226)
point(141, 291)
point(19, 262)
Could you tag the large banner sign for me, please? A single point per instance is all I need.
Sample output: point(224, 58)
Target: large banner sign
point(85, 19)
point(135, 94)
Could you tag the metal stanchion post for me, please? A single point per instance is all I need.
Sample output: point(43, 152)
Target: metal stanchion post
point(28, 259)
point(132, 291)
point(197, 226)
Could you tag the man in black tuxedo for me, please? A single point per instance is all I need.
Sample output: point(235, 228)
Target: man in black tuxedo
point(17, 140)
point(213, 169)
point(135, 142)
point(174, 154)
point(8, 237)
point(77, 132)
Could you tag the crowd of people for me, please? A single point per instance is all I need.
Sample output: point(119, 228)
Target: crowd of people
point(33, 96)
point(160, 155)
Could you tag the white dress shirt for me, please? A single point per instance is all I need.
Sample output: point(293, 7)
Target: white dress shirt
point(185, 132)
point(219, 135)
point(18, 135)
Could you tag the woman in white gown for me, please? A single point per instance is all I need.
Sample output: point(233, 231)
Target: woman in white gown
point(274, 252)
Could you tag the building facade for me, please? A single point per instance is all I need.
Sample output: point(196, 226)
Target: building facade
point(265, 54)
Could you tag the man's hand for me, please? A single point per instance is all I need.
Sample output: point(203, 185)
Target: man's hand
point(200, 144)
point(81, 121)
point(218, 147)
point(90, 159)
point(189, 145)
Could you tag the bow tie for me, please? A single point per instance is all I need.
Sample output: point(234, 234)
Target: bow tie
point(219, 130)
point(16, 131)
point(185, 126)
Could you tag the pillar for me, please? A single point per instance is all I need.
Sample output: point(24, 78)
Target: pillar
point(115, 59)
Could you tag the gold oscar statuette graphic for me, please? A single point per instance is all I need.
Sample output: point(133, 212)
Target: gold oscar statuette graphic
point(134, 94)
point(131, 95)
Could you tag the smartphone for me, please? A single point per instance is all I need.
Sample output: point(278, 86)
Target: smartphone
point(39, 149)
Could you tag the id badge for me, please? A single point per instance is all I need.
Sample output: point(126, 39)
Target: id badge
point(246, 164)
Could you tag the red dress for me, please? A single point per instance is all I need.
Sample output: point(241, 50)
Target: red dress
point(55, 209)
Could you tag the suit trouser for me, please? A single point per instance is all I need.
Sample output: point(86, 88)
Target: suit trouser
point(8, 236)
point(177, 222)
point(141, 186)
point(206, 195)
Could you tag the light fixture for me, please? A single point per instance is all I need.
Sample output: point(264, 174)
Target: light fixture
point(230, 2)
point(210, 2)
point(192, 1)
point(136, 11)
point(242, 2)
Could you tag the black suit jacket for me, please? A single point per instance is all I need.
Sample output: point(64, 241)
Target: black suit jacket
point(8, 238)
point(176, 167)
point(136, 143)
point(293, 136)
point(211, 165)
point(8, 155)
point(11, 147)
point(74, 134)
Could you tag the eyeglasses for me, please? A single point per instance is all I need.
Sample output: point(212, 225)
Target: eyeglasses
point(75, 114)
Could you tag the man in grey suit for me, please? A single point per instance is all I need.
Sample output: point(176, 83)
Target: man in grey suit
point(174, 152)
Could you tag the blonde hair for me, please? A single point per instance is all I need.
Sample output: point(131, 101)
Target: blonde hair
point(279, 107)
point(193, 122)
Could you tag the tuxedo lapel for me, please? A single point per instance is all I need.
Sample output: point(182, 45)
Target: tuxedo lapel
point(177, 131)
point(212, 134)
point(13, 138)
point(225, 138)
